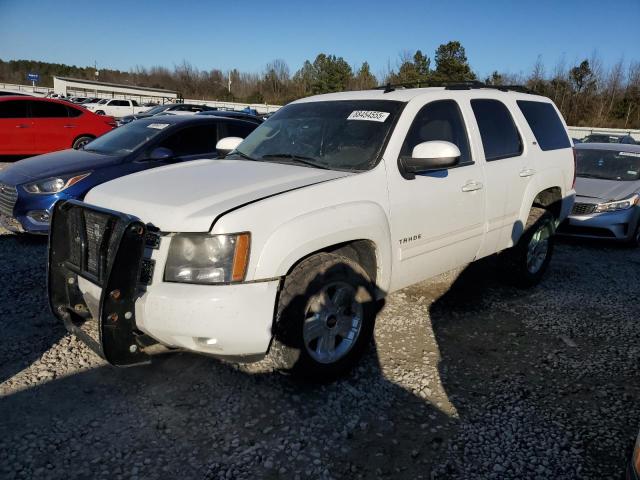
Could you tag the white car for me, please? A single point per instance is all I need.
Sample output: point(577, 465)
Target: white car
point(285, 247)
point(115, 108)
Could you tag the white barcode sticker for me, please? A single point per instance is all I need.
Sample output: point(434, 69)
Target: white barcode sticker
point(369, 115)
point(629, 154)
point(158, 126)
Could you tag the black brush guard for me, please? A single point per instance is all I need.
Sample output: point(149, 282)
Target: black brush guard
point(106, 248)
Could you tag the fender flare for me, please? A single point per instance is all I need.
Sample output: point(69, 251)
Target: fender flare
point(543, 181)
point(301, 236)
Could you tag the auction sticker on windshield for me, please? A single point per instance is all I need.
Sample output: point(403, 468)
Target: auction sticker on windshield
point(629, 154)
point(158, 126)
point(369, 115)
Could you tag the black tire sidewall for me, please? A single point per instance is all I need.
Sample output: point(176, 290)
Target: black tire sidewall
point(288, 338)
point(522, 277)
point(80, 139)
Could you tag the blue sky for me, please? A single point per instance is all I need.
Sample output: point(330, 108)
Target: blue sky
point(497, 35)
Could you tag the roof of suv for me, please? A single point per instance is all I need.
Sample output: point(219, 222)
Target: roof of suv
point(408, 94)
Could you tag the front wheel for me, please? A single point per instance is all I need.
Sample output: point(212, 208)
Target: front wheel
point(325, 318)
point(527, 261)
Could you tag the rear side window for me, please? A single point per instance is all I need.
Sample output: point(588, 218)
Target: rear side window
point(192, 141)
point(13, 109)
point(74, 112)
point(48, 110)
point(236, 129)
point(500, 137)
point(545, 124)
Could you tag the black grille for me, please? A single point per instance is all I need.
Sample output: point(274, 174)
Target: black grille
point(586, 231)
point(91, 242)
point(583, 208)
point(92, 245)
point(8, 197)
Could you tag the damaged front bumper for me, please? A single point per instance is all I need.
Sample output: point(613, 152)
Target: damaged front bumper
point(105, 287)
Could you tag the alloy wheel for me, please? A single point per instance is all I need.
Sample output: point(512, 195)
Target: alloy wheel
point(332, 323)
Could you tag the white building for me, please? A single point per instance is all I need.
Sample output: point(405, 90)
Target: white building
point(76, 87)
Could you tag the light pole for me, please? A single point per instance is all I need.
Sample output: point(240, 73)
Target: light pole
point(97, 74)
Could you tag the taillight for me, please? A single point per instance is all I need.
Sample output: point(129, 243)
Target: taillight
point(575, 167)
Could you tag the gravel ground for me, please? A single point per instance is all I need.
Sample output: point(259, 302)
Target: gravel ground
point(468, 379)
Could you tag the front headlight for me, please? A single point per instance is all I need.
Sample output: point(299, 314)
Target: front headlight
point(618, 205)
point(55, 184)
point(205, 258)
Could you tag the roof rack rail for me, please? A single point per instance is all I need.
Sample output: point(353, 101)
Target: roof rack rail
point(465, 85)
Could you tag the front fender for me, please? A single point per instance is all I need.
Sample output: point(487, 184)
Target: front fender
point(316, 230)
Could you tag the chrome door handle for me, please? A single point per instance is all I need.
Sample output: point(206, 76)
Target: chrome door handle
point(472, 186)
point(22, 125)
point(527, 172)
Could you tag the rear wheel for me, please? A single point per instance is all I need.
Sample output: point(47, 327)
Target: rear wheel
point(325, 318)
point(80, 142)
point(527, 261)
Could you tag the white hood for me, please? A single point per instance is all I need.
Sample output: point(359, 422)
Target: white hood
point(188, 197)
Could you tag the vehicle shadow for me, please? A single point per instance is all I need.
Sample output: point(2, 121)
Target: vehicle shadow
point(518, 400)
point(189, 416)
point(28, 329)
point(531, 372)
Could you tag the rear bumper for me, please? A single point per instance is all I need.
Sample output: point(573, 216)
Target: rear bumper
point(614, 225)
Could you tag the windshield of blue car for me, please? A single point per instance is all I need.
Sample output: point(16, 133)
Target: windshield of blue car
point(126, 139)
point(337, 135)
point(608, 165)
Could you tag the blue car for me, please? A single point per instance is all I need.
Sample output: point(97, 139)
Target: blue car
point(30, 187)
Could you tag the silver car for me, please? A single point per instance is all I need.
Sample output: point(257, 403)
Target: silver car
point(607, 193)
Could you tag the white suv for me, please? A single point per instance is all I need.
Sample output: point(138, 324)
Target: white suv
point(286, 246)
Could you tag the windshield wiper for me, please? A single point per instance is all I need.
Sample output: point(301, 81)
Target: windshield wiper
point(589, 175)
point(244, 155)
point(298, 159)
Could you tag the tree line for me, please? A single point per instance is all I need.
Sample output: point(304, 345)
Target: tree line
point(587, 93)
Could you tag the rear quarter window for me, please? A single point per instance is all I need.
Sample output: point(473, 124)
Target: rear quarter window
point(545, 124)
point(500, 137)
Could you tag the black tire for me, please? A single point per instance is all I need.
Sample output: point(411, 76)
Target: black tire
point(301, 291)
point(99, 112)
point(81, 142)
point(516, 260)
point(634, 241)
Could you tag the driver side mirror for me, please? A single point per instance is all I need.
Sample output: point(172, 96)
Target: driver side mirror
point(161, 153)
point(430, 156)
point(226, 145)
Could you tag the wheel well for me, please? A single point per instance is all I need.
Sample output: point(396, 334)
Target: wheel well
point(83, 135)
point(361, 251)
point(551, 200)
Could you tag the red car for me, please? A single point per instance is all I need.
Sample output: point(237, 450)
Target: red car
point(31, 125)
